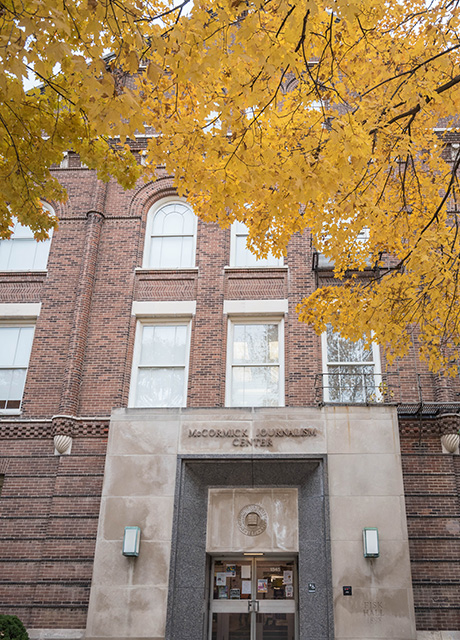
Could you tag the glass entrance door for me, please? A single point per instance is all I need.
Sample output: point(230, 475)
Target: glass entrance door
point(253, 599)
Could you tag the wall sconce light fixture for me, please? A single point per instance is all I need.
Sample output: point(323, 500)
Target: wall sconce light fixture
point(131, 541)
point(371, 542)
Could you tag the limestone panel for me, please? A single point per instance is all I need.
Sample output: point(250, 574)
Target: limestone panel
point(154, 436)
point(140, 475)
point(224, 533)
point(350, 514)
point(140, 612)
point(355, 430)
point(390, 570)
point(116, 569)
point(365, 475)
point(153, 513)
point(373, 613)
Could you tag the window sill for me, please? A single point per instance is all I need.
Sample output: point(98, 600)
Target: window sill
point(10, 412)
point(282, 268)
point(166, 270)
point(12, 272)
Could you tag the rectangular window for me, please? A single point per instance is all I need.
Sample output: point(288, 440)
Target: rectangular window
point(356, 244)
point(352, 371)
point(15, 348)
point(161, 365)
point(240, 256)
point(2, 479)
point(255, 375)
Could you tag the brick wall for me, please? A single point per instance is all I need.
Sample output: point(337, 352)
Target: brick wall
point(49, 511)
point(431, 481)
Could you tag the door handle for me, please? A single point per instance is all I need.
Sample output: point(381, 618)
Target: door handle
point(253, 606)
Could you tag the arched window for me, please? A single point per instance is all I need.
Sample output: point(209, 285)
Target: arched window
point(171, 235)
point(21, 252)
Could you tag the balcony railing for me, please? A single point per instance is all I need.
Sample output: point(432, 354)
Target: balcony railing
point(413, 393)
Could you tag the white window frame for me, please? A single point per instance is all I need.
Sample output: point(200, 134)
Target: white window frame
point(14, 323)
point(323, 262)
point(241, 232)
point(157, 321)
point(246, 320)
point(149, 228)
point(375, 363)
point(30, 239)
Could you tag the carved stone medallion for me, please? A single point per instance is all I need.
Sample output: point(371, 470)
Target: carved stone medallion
point(252, 520)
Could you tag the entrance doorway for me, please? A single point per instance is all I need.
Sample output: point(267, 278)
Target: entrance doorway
point(253, 598)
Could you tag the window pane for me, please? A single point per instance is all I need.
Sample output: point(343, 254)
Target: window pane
point(255, 343)
point(24, 346)
point(8, 342)
point(164, 345)
point(189, 220)
point(171, 252)
point(244, 257)
point(174, 219)
point(11, 387)
point(187, 252)
point(241, 251)
point(231, 626)
point(5, 385)
point(5, 252)
point(19, 231)
point(351, 383)
point(22, 255)
point(342, 350)
point(173, 224)
point(41, 255)
point(255, 386)
point(160, 388)
point(17, 386)
point(332, 345)
point(275, 625)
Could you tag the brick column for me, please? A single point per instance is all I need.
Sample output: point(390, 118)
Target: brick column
point(77, 343)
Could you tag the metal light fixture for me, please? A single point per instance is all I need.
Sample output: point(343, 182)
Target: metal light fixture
point(131, 541)
point(371, 542)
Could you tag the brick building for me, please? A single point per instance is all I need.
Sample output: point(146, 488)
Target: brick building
point(153, 375)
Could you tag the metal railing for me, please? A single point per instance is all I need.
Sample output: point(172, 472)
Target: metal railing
point(413, 393)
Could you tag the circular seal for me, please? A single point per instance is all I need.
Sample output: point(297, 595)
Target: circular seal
point(252, 520)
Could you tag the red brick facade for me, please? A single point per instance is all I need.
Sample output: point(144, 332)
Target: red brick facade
point(80, 369)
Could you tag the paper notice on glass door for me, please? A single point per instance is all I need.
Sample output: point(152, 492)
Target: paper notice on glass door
point(246, 587)
point(287, 577)
point(262, 585)
point(245, 571)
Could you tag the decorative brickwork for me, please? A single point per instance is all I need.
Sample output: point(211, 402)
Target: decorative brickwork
point(261, 284)
point(77, 428)
point(21, 287)
point(167, 285)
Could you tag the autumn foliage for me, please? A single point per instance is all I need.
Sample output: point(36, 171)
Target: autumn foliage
point(327, 116)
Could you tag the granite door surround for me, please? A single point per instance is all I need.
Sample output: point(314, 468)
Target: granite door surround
point(187, 609)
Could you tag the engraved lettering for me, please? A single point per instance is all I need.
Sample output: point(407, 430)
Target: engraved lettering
point(261, 436)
